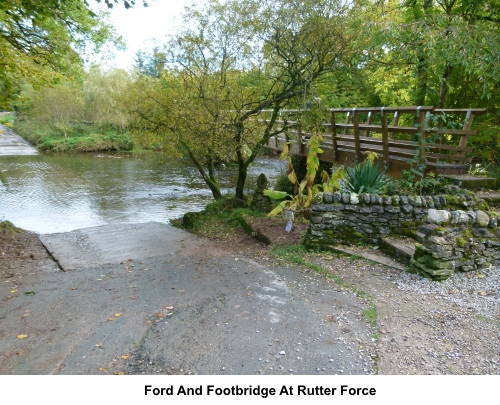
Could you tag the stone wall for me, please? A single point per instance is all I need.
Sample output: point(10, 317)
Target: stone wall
point(454, 234)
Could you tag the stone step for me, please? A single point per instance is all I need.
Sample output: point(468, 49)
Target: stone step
point(471, 182)
point(399, 249)
point(377, 258)
point(492, 198)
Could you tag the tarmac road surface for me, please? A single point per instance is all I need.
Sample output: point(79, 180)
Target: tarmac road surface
point(150, 298)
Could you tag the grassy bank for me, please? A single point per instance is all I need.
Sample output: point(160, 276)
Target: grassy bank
point(74, 138)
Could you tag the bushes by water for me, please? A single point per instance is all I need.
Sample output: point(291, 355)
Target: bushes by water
point(74, 138)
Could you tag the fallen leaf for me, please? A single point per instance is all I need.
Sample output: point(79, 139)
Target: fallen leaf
point(132, 286)
point(13, 291)
point(22, 336)
point(29, 293)
point(118, 315)
point(169, 314)
point(119, 373)
point(149, 322)
point(103, 370)
point(482, 293)
point(159, 315)
point(111, 319)
point(98, 345)
point(73, 288)
point(170, 307)
point(126, 357)
point(182, 290)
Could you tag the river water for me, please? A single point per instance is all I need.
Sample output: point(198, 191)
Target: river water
point(49, 193)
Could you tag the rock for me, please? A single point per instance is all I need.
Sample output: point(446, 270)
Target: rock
point(262, 182)
point(427, 229)
point(406, 209)
point(327, 198)
point(482, 219)
point(354, 198)
point(459, 217)
point(438, 216)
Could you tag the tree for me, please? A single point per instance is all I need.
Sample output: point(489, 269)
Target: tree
point(451, 48)
point(235, 59)
point(150, 63)
point(40, 39)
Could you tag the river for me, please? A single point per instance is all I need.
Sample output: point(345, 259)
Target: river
point(48, 193)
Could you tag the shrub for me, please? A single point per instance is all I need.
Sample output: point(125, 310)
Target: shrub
point(366, 177)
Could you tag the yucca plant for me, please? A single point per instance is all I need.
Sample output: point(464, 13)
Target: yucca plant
point(366, 177)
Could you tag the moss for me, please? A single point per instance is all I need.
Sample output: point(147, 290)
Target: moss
point(467, 234)
point(482, 205)
point(461, 242)
point(358, 234)
point(452, 200)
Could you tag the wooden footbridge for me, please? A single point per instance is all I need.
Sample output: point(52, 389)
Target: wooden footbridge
point(421, 136)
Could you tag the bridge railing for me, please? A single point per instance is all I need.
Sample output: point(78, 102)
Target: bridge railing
point(432, 138)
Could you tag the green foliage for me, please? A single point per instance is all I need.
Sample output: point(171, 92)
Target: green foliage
point(303, 195)
point(43, 41)
point(78, 116)
point(366, 177)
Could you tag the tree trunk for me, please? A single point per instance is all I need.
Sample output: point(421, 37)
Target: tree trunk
point(242, 163)
point(443, 91)
point(210, 179)
point(422, 76)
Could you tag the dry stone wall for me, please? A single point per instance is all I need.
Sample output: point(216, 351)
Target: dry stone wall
point(452, 231)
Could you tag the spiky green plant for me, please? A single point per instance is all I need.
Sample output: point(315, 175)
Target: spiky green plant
point(366, 177)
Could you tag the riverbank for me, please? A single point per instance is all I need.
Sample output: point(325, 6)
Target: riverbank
point(74, 138)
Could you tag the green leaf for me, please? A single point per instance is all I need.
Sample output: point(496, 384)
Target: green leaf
point(276, 195)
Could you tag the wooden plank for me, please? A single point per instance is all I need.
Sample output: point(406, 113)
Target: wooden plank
point(467, 126)
point(395, 123)
point(355, 122)
point(348, 123)
point(368, 122)
point(385, 138)
point(453, 131)
point(378, 128)
point(461, 110)
point(333, 130)
point(388, 109)
point(440, 146)
point(454, 158)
